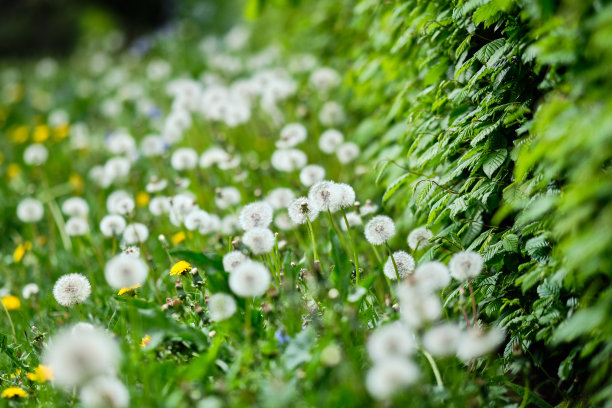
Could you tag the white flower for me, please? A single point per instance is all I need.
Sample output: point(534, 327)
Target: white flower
point(330, 140)
point(135, 233)
point(214, 155)
point(196, 219)
point(160, 205)
point(301, 209)
point(153, 145)
point(112, 225)
point(379, 230)
point(30, 210)
point(124, 271)
point(77, 357)
point(132, 250)
point(105, 392)
point(35, 155)
point(291, 135)
point(347, 152)
point(156, 185)
point(323, 79)
point(475, 342)
point(332, 114)
point(288, 160)
point(250, 279)
point(120, 143)
point(280, 197)
point(325, 195)
point(387, 377)
point(312, 174)
point(232, 259)
point(71, 289)
point(465, 265)
point(368, 208)
point(120, 202)
point(75, 207)
point(29, 290)
point(256, 215)
point(221, 306)
point(432, 275)
point(259, 240)
point(117, 168)
point(419, 238)
point(284, 222)
point(229, 224)
point(184, 159)
point(226, 197)
point(346, 195)
point(391, 341)
point(353, 219)
point(76, 226)
point(416, 306)
point(404, 262)
point(441, 340)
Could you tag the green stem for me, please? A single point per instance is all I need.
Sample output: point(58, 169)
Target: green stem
point(434, 367)
point(355, 255)
point(8, 315)
point(312, 239)
point(394, 264)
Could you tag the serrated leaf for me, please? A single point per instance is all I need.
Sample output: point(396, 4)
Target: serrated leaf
point(510, 243)
point(493, 161)
point(392, 189)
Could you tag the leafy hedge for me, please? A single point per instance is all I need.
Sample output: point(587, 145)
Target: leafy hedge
point(490, 121)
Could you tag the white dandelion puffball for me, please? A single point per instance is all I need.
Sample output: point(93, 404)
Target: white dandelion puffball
point(214, 155)
point(332, 114)
point(259, 240)
point(419, 238)
point(347, 152)
point(160, 205)
point(229, 224)
point(354, 220)
point(82, 327)
point(119, 202)
point(156, 185)
point(35, 155)
point(379, 230)
point(221, 306)
point(288, 160)
point(226, 197)
point(387, 377)
point(330, 140)
point(312, 174)
point(196, 219)
point(416, 306)
point(153, 145)
point(284, 222)
point(184, 159)
point(346, 195)
point(250, 279)
point(432, 275)
point(30, 210)
point(135, 233)
point(442, 340)
point(71, 289)
point(465, 265)
point(105, 392)
point(391, 341)
point(112, 225)
point(75, 207)
point(124, 271)
point(29, 290)
point(280, 197)
point(291, 135)
point(404, 262)
point(117, 168)
point(76, 226)
point(323, 79)
point(368, 208)
point(301, 210)
point(232, 259)
point(476, 342)
point(78, 356)
point(256, 215)
point(325, 195)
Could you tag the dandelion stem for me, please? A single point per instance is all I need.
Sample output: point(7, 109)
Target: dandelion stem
point(355, 255)
point(312, 239)
point(394, 264)
point(336, 229)
point(474, 307)
point(434, 367)
point(8, 315)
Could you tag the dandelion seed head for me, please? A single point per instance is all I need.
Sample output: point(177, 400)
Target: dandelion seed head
point(184, 158)
point(232, 259)
point(29, 290)
point(226, 197)
point(332, 114)
point(379, 230)
point(416, 306)
point(230, 224)
point(325, 195)
point(476, 342)
point(388, 377)
point(124, 271)
point(465, 265)
point(160, 205)
point(256, 215)
point(156, 185)
point(288, 160)
point(196, 219)
point(301, 209)
point(291, 135)
point(347, 152)
point(153, 146)
point(120, 202)
point(441, 340)
point(259, 240)
point(75, 207)
point(404, 262)
point(330, 140)
point(284, 222)
point(30, 210)
point(105, 392)
point(135, 233)
point(312, 174)
point(280, 197)
point(71, 289)
point(346, 195)
point(112, 225)
point(391, 341)
point(324, 79)
point(249, 279)
point(221, 306)
point(76, 227)
point(117, 168)
point(419, 238)
point(35, 155)
point(432, 276)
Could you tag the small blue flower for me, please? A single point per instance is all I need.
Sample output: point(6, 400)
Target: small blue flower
point(281, 336)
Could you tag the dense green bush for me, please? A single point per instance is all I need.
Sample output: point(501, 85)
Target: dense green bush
point(491, 120)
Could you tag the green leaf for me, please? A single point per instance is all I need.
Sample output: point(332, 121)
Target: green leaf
point(395, 186)
point(493, 161)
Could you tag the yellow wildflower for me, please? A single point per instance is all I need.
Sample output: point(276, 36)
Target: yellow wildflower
point(12, 170)
point(12, 392)
point(77, 182)
point(180, 267)
point(128, 289)
point(17, 373)
point(21, 250)
point(145, 341)
point(11, 302)
point(61, 132)
point(41, 133)
point(20, 134)
point(142, 199)
point(41, 374)
point(178, 237)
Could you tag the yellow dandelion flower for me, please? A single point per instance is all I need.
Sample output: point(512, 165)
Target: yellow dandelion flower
point(13, 392)
point(41, 374)
point(16, 92)
point(142, 199)
point(17, 373)
point(180, 267)
point(20, 134)
point(178, 237)
point(129, 289)
point(41, 133)
point(61, 132)
point(12, 171)
point(11, 302)
point(77, 182)
point(21, 250)
point(145, 341)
